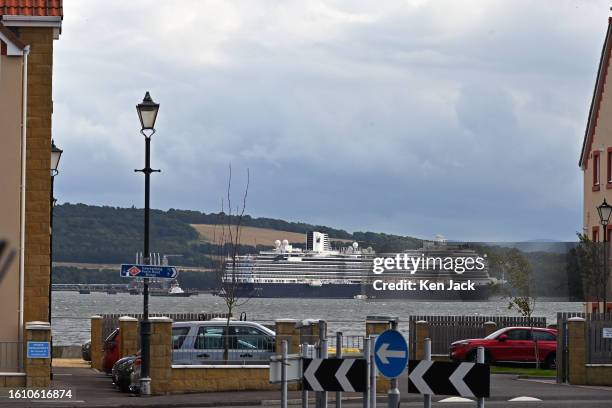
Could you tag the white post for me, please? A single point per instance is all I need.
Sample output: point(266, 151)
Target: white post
point(304, 391)
point(372, 372)
point(322, 354)
point(284, 374)
point(427, 397)
point(339, 355)
point(366, 355)
point(480, 358)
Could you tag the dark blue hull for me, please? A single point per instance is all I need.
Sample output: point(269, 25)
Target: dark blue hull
point(349, 291)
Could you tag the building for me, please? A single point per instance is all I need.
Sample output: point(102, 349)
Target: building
point(596, 155)
point(28, 29)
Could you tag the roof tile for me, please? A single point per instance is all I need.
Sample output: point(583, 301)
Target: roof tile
point(31, 8)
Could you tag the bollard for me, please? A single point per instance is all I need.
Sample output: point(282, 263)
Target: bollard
point(427, 397)
point(339, 355)
point(322, 396)
point(372, 372)
point(304, 391)
point(480, 358)
point(366, 355)
point(284, 374)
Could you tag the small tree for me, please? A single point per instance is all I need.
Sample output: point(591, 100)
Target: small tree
point(520, 290)
point(228, 244)
point(591, 268)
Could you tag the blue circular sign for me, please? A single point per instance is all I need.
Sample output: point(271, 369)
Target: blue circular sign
point(391, 353)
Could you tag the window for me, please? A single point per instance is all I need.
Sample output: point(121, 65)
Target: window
point(178, 336)
point(252, 338)
point(543, 336)
point(595, 234)
point(519, 334)
point(209, 337)
point(596, 170)
point(609, 166)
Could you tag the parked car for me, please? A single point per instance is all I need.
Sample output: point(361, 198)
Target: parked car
point(203, 342)
point(122, 371)
point(510, 344)
point(110, 350)
point(86, 350)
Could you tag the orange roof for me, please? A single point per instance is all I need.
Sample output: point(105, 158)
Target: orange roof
point(31, 8)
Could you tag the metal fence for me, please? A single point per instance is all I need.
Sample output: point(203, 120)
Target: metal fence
point(443, 330)
point(11, 353)
point(599, 348)
point(216, 348)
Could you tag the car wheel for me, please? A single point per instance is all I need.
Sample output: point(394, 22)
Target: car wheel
point(551, 361)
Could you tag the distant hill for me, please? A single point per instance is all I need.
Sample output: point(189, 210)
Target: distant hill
point(110, 235)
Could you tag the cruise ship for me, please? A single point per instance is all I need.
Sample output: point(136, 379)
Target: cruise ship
point(319, 271)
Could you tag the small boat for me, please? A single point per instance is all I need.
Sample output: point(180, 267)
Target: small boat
point(173, 291)
point(360, 297)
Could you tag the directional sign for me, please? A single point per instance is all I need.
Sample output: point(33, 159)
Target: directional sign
point(448, 378)
point(148, 271)
point(335, 374)
point(391, 353)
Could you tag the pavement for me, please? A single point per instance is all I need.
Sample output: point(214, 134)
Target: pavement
point(92, 389)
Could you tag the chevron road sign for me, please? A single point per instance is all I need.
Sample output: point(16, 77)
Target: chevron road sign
point(335, 374)
point(448, 378)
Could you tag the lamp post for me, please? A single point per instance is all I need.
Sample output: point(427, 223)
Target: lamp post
point(147, 113)
point(604, 211)
point(56, 154)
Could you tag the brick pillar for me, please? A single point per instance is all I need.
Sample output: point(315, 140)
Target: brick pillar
point(128, 335)
point(489, 327)
point(308, 330)
point(38, 370)
point(376, 326)
point(287, 329)
point(421, 333)
point(577, 350)
point(161, 355)
point(96, 342)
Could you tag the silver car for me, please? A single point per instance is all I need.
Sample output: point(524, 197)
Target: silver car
point(205, 342)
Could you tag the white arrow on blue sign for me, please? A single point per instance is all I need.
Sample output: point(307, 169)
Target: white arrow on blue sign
point(391, 353)
point(148, 271)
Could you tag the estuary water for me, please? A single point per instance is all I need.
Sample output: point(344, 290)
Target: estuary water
point(71, 310)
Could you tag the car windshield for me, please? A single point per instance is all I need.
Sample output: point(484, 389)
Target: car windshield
point(496, 333)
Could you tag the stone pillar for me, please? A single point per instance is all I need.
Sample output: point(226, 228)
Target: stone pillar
point(161, 355)
point(96, 342)
point(577, 350)
point(489, 327)
point(287, 329)
point(308, 330)
point(421, 333)
point(128, 335)
point(38, 370)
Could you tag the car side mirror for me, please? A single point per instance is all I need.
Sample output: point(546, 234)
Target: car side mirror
point(503, 337)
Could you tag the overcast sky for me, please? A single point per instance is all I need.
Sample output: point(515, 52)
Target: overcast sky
point(461, 118)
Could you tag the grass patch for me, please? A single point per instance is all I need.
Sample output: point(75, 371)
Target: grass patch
point(523, 371)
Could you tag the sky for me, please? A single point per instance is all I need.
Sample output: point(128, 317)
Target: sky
point(412, 117)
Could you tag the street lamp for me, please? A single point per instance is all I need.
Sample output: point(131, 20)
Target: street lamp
point(147, 113)
point(56, 154)
point(604, 211)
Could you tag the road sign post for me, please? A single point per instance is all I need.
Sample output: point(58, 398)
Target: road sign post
point(366, 355)
point(480, 358)
point(372, 372)
point(284, 374)
point(427, 397)
point(339, 355)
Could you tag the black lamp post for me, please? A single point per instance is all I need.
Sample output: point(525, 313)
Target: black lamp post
point(605, 210)
point(56, 154)
point(147, 112)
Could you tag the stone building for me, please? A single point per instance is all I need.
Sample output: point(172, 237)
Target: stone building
point(28, 29)
point(596, 155)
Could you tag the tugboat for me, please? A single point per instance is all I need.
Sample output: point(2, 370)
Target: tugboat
point(173, 291)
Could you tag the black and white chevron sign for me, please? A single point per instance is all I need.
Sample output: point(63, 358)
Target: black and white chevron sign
point(448, 378)
point(335, 374)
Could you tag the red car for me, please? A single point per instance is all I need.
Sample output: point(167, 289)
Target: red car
point(111, 351)
point(510, 344)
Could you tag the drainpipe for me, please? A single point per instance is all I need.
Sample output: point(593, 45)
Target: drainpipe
point(24, 111)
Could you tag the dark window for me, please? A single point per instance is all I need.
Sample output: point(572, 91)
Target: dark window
point(178, 336)
point(543, 336)
point(251, 338)
point(595, 168)
point(210, 337)
point(519, 334)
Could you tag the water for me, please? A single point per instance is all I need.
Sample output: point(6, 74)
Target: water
point(71, 310)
